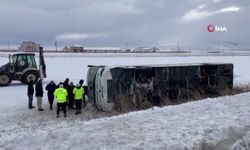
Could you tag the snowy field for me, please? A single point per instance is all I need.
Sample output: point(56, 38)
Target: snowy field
point(219, 123)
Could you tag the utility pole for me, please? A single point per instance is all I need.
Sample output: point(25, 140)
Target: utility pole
point(177, 46)
point(126, 45)
point(56, 45)
point(8, 45)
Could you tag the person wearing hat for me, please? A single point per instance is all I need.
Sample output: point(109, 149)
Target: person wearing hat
point(71, 96)
point(39, 94)
point(30, 93)
point(61, 98)
point(85, 88)
point(51, 87)
point(78, 91)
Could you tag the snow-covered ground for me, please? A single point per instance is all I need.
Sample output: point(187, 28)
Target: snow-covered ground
point(219, 123)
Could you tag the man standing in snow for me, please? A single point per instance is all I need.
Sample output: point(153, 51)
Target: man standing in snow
point(78, 92)
point(30, 94)
point(61, 98)
point(51, 87)
point(71, 95)
point(66, 86)
point(39, 94)
point(85, 92)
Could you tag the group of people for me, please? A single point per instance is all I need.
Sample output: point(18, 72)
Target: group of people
point(65, 93)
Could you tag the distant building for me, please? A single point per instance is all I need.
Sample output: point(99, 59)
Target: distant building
point(81, 49)
point(146, 50)
point(76, 49)
point(103, 50)
point(128, 50)
point(29, 46)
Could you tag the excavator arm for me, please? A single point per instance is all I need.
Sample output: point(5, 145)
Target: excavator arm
point(42, 65)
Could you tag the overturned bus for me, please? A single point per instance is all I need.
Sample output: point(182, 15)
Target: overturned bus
point(128, 88)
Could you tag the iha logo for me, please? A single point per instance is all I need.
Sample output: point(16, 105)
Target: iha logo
point(213, 28)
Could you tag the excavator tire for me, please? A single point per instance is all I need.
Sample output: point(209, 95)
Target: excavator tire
point(5, 79)
point(30, 75)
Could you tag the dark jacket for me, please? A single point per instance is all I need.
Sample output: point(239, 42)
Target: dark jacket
point(85, 90)
point(51, 89)
point(66, 85)
point(70, 92)
point(30, 89)
point(39, 89)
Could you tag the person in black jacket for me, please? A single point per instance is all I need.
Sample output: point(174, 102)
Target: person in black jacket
point(51, 87)
point(66, 86)
point(66, 83)
point(85, 92)
point(71, 95)
point(30, 94)
point(39, 94)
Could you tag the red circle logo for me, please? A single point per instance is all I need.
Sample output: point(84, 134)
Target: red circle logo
point(210, 28)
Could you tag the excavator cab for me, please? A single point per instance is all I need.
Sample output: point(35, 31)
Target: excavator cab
point(23, 67)
point(23, 61)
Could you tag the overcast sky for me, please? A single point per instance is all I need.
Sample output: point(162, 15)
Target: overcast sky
point(110, 23)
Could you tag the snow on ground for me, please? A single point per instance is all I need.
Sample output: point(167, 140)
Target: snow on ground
point(214, 123)
point(219, 123)
point(74, 65)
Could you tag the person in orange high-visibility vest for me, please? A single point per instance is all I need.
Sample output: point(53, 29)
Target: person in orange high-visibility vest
point(61, 98)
